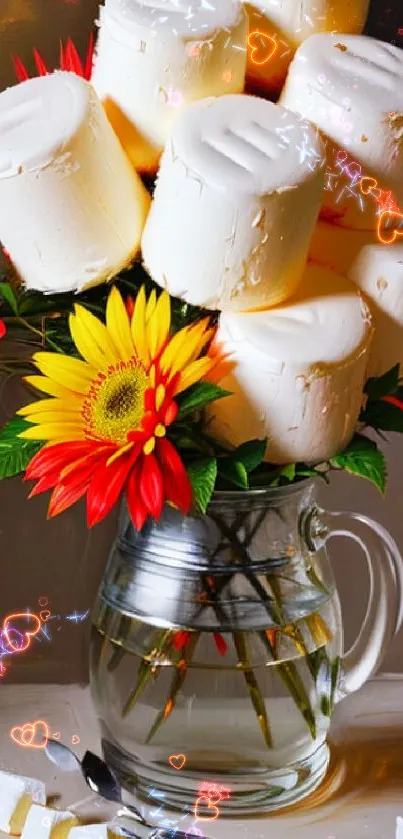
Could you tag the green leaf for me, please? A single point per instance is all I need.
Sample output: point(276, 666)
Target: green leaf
point(383, 416)
point(363, 458)
point(250, 454)
point(233, 471)
point(289, 471)
point(199, 395)
point(202, 475)
point(385, 385)
point(15, 452)
point(9, 296)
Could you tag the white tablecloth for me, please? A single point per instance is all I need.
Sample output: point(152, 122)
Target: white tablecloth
point(360, 799)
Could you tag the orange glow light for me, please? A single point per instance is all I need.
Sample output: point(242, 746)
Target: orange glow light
point(31, 735)
point(263, 47)
point(204, 801)
point(27, 635)
point(387, 237)
point(177, 761)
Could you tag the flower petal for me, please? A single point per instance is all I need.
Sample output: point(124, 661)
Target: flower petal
point(54, 458)
point(69, 372)
point(137, 509)
point(118, 325)
point(72, 403)
point(97, 332)
point(177, 485)
point(138, 327)
point(185, 346)
point(53, 431)
point(106, 486)
point(64, 497)
point(45, 385)
point(194, 372)
point(87, 348)
point(152, 486)
point(159, 324)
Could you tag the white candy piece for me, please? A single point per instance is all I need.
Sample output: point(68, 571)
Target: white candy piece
point(234, 206)
point(156, 56)
point(276, 29)
point(16, 796)
point(300, 371)
point(98, 831)
point(337, 247)
point(378, 272)
point(71, 207)
point(399, 828)
point(351, 87)
point(48, 824)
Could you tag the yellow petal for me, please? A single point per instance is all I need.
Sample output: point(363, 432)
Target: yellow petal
point(48, 386)
point(69, 372)
point(44, 417)
point(152, 302)
point(159, 324)
point(193, 373)
point(55, 431)
point(138, 327)
point(73, 403)
point(98, 333)
point(185, 346)
point(118, 325)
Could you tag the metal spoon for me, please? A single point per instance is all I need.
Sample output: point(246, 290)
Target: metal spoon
point(104, 782)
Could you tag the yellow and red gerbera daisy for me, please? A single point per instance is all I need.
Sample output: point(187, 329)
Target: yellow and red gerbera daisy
point(105, 423)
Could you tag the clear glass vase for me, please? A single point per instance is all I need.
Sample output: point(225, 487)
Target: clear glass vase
point(217, 648)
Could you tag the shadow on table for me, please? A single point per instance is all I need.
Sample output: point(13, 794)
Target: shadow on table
point(367, 764)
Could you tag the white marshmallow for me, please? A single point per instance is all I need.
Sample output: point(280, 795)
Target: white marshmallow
point(378, 272)
point(155, 56)
point(351, 87)
point(284, 26)
point(399, 828)
point(98, 831)
point(234, 206)
point(337, 247)
point(48, 824)
point(16, 796)
point(71, 207)
point(300, 371)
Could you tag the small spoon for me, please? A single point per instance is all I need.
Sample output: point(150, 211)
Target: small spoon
point(101, 780)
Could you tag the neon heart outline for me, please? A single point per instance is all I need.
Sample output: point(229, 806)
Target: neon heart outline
point(255, 49)
point(179, 759)
point(394, 233)
point(210, 806)
point(28, 634)
point(31, 729)
point(370, 188)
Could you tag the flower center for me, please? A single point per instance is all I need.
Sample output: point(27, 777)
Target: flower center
point(114, 403)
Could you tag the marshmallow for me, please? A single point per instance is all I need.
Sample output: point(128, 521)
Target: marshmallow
point(235, 204)
point(399, 828)
point(351, 87)
point(16, 796)
point(378, 272)
point(48, 824)
point(99, 831)
point(155, 56)
point(71, 207)
point(300, 371)
point(336, 247)
point(277, 29)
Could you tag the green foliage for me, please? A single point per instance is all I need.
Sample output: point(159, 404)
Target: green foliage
point(235, 467)
point(379, 413)
point(15, 452)
point(202, 476)
point(200, 395)
point(363, 458)
point(380, 386)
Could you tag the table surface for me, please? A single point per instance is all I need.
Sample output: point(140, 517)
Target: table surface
point(360, 798)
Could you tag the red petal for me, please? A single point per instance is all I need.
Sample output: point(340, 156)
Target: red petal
point(20, 69)
point(149, 400)
point(220, 643)
point(152, 485)
point(40, 64)
point(73, 60)
point(181, 640)
point(107, 484)
point(45, 483)
point(83, 469)
point(64, 497)
point(3, 328)
point(178, 488)
point(137, 509)
point(393, 400)
point(89, 58)
point(170, 413)
point(62, 60)
point(53, 458)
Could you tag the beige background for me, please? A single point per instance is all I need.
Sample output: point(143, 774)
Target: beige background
point(60, 560)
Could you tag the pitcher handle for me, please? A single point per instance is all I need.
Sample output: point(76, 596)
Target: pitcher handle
point(384, 614)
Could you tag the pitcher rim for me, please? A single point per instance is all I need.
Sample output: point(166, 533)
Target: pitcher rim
point(261, 492)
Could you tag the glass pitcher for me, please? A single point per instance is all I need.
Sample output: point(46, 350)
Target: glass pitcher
point(217, 648)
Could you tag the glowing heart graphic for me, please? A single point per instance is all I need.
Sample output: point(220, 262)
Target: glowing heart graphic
point(262, 46)
point(75, 740)
point(31, 735)
point(367, 185)
point(387, 220)
point(177, 761)
point(203, 802)
point(56, 735)
point(25, 635)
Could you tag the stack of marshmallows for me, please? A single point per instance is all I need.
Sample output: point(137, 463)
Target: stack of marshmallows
point(240, 186)
point(23, 812)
